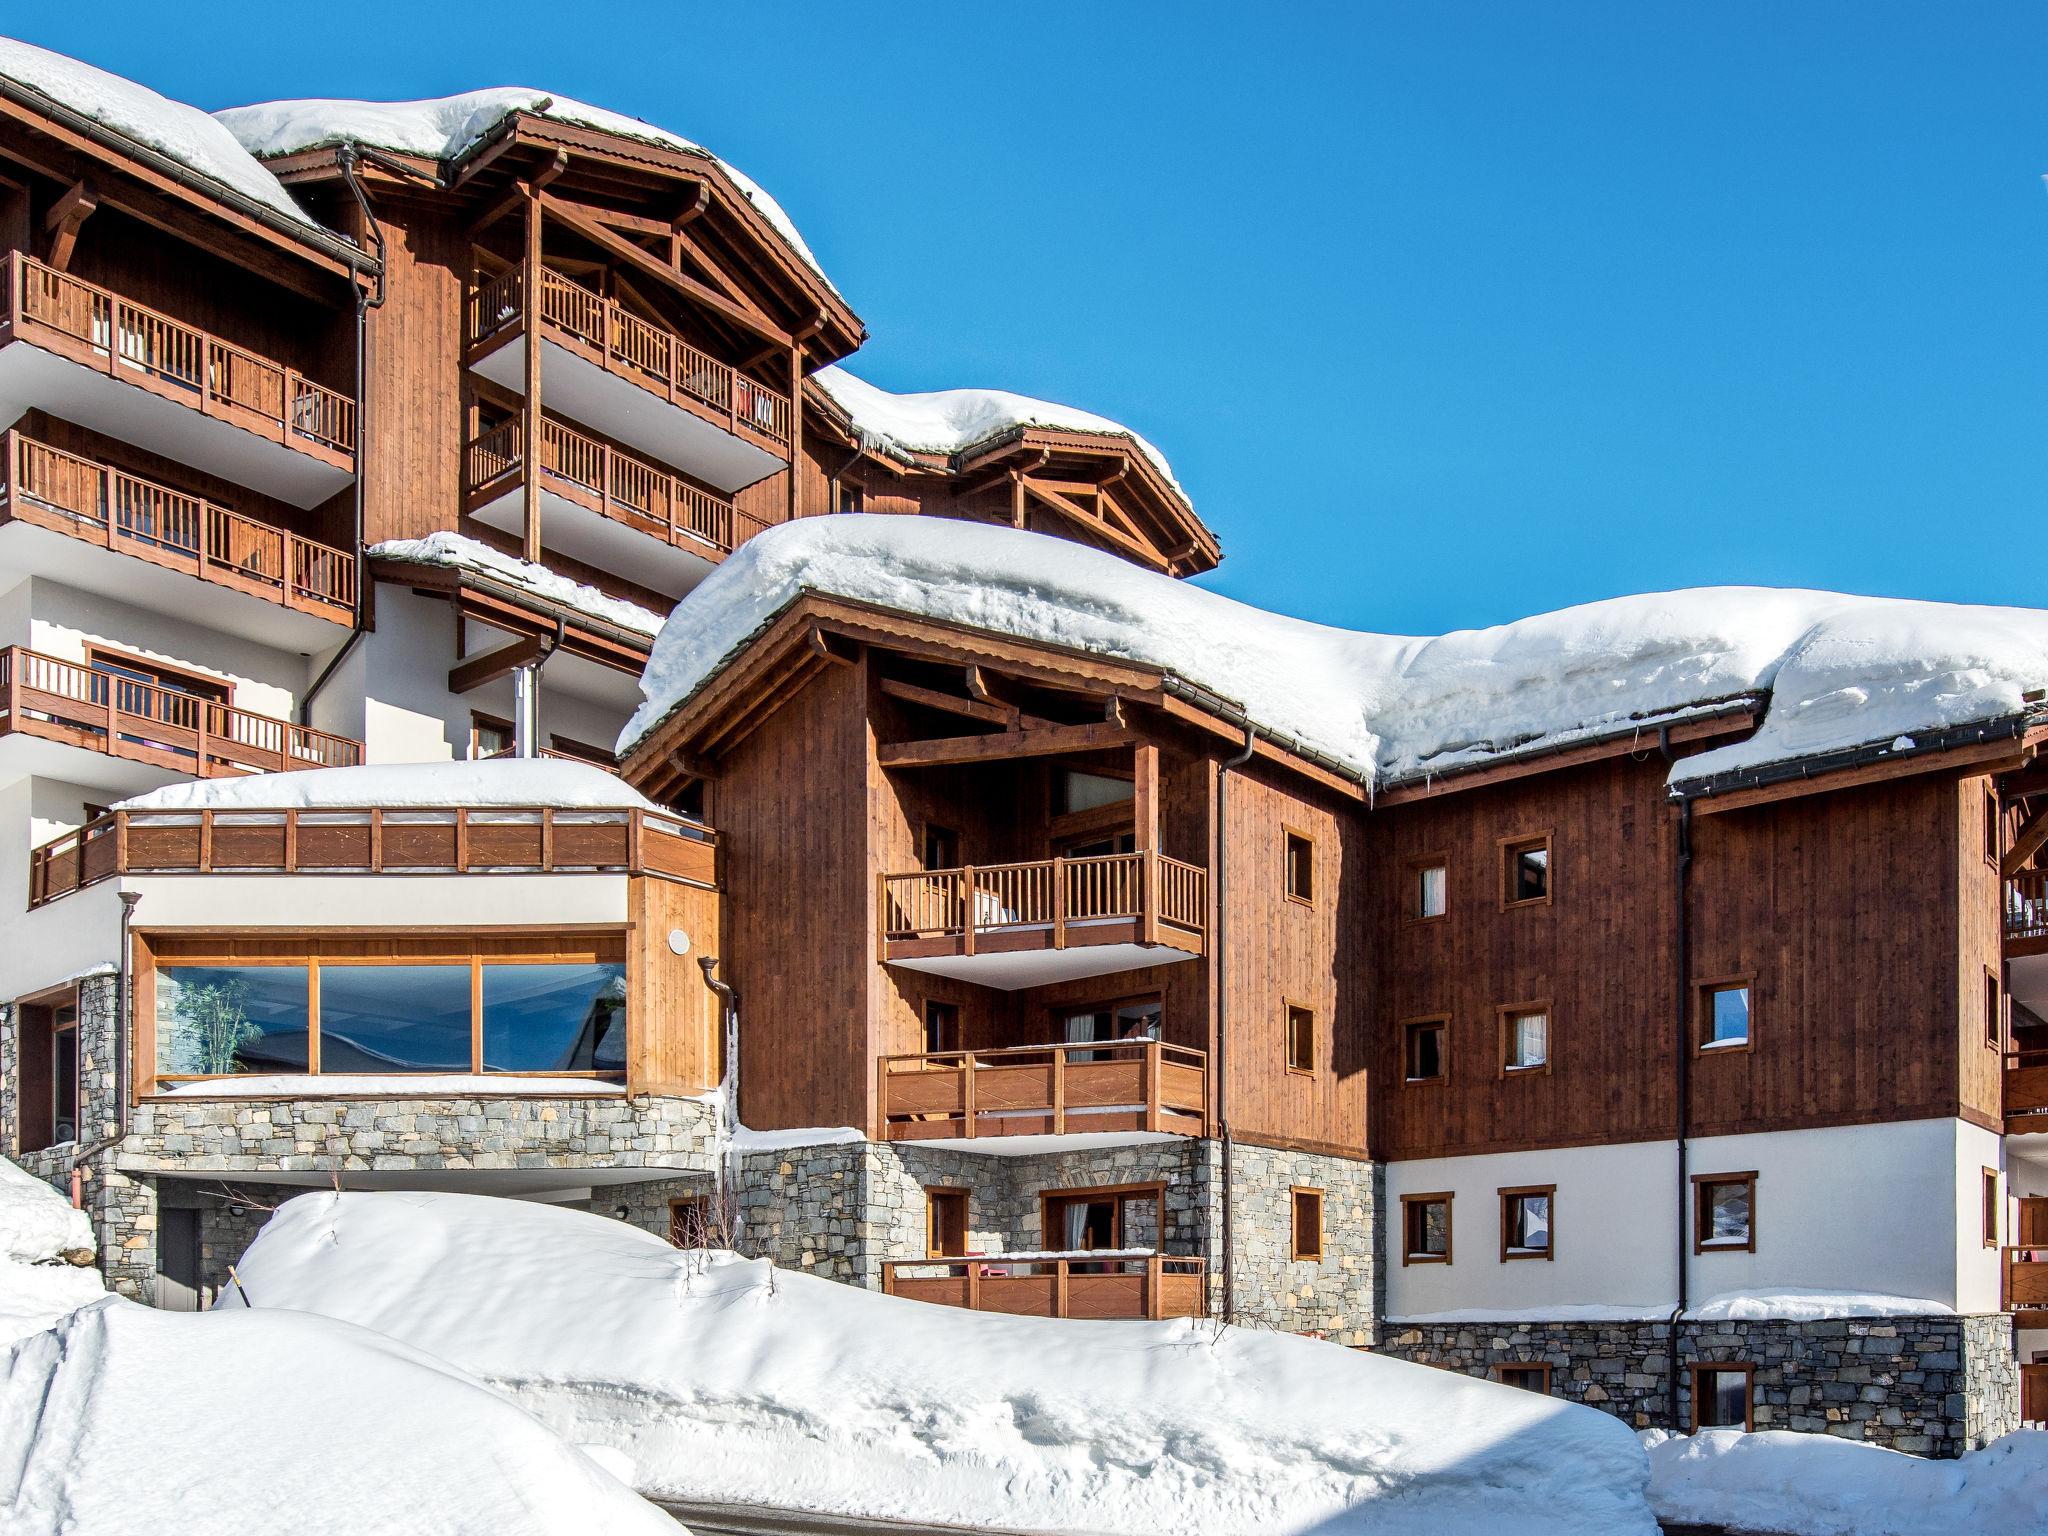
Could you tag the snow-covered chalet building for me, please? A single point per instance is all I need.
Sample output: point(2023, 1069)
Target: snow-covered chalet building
point(1642, 1004)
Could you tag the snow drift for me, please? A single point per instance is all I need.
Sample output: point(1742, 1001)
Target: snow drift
point(455, 551)
point(725, 1379)
point(42, 1238)
point(1840, 671)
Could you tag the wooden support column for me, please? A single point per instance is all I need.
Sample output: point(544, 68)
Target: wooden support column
point(529, 420)
point(796, 426)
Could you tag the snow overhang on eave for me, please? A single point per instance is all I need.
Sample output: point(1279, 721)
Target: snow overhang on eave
point(2019, 736)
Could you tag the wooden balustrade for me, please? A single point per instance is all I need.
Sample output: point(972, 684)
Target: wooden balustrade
point(649, 355)
point(89, 500)
point(1045, 1090)
point(2026, 907)
point(101, 329)
point(373, 840)
point(2026, 1089)
point(1142, 897)
point(125, 717)
point(2026, 1284)
point(1079, 1285)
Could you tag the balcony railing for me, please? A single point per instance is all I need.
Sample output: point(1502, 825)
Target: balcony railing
point(1083, 1285)
point(2026, 907)
point(1047, 1090)
point(143, 722)
point(124, 512)
point(1142, 897)
point(131, 341)
point(652, 357)
point(2026, 1091)
point(612, 483)
point(372, 840)
point(2026, 1284)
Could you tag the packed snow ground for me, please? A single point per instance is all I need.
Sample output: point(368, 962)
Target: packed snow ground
point(1816, 1485)
point(726, 1380)
point(488, 782)
point(1841, 671)
point(116, 1418)
point(455, 551)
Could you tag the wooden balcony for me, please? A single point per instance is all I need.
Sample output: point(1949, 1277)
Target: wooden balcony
point(2026, 913)
point(749, 422)
point(1115, 912)
point(208, 379)
point(374, 841)
point(115, 510)
point(2026, 1286)
point(1047, 1090)
point(2026, 1092)
point(1099, 1287)
point(65, 702)
point(602, 505)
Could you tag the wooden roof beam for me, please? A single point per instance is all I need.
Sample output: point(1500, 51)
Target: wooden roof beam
point(65, 219)
point(1001, 746)
point(2032, 836)
point(1137, 549)
point(471, 674)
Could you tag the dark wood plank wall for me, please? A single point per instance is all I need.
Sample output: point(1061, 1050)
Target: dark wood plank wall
point(413, 473)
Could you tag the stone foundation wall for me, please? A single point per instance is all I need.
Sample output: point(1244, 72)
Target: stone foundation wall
point(1933, 1386)
point(1338, 1296)
point(646, 1205)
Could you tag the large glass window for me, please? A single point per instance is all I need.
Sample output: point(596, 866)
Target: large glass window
point(214, 1020)
point(394, 1018)
point(554, 1018)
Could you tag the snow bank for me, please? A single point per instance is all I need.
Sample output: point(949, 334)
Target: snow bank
point(425, 1085)
point(495, 781)
point(171, 128)
point(40, 1236)
point(1840, 671)
point(951, 422)
point(455, 552)
point(1792, 1304)
point(448, 127)
point(123, 1419)
point(1816, 1485)
point(725, 1379)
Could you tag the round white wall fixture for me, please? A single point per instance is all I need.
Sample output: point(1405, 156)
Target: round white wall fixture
point(678, 941)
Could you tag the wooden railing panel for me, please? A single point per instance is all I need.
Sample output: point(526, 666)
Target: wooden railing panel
point(1054, 895)
point(1121, 1285)
point(2026, 1278)
point(2026, 1082)
point(1052, 1089)
point(2026, 905)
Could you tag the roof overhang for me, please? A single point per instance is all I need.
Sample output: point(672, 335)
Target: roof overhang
point(507, 607)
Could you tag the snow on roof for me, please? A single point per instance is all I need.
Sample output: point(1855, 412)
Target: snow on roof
point(39, 1233)
point(1840, 671)
point(457, 552)
point(448, 127)
point(730, 1380)
point(134, 111)
point(951, 422)
point(283, 1421)
point(497, 781)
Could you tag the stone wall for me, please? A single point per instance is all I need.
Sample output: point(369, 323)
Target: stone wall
point(1934, 1386)
point(1338, 1296)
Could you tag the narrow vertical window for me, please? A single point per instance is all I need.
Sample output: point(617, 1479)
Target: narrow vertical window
point(941, 1026)
point(1994, 1011)
point(1425, 1050)
point(1721, 1397)
point(1993, 1206)
point(1429, 895)
point(1426, 1229)
point(941, 847)
point(1993, 832)
point(945, 1223)
point(1308, 1223)
point(1301, 1039)
point(64, 1112)
point(1301, 867)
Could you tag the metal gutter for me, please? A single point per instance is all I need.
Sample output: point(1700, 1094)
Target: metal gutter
point(1925, 744)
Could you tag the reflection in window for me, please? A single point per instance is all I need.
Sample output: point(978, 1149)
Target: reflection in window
point(213, 1020)
point(554, 1018)
point(394, 1018)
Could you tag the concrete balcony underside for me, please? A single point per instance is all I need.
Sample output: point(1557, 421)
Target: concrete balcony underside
point(571, 527)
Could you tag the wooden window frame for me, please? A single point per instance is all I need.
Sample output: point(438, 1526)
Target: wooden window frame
point(1994, 1010)
point(1442, 1023)
point(924, 1025)
point(1288, 1009)
point(925, 828)
point(1504, 1017)
point(1511, 1193)
point(1745, 1368)
point(1701, 1208)
point(481, 719)
point(1411, 882)
point(682, 1203)
point(1296, 1194)
point(1115, 1194)
point(1289, 836)
point(1703, 992)
point(1994, 825)
point(1993, 1206)
point(1057, 1013)
point(940, 1196)
point(117, 656)
point(1541, 1367)
point(1508, 848)
point(1446, 1198)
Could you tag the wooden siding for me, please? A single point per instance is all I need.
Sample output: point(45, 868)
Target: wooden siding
point(675, 1041)
point(412, 466)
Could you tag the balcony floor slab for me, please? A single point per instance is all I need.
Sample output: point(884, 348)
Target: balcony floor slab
point(1014, 970)
point(27, 756)
point(593, 538)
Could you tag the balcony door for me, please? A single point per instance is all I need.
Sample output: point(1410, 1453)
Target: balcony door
point(148, 690)
point(1124, 1020)
point(1099, 1220)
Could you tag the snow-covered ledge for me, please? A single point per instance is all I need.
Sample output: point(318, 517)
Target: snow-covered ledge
point(446, 1085)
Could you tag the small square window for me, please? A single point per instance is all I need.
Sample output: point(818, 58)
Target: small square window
point(1429, 897)
point(1526, 1230)
point(1308, 1223)
point(1525, 872)
point(1529, 1377)
point(1426, 1229)
point(941, 847)
point(689, 1223)
point(1993, 1207)
point(1724, 1016)
point(1994, 1011)
point(1724, 1212)
point(941, 1026)
point(1301, 1039)
point(1721, 1397)
point(1525, 1040)
point(1301, 867)
point(1425, 1050)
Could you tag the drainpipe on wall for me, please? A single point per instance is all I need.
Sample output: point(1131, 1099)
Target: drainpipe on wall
point(1251, 741)
point(122, 990)
point(729, 1022)
point(1681, 945)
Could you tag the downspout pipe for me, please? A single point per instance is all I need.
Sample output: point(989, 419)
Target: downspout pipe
point(729, 1023)
point(1251, 742)
point(123, 991)
point(1681, 948)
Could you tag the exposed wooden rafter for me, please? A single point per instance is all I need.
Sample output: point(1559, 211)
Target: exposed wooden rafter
point(1048, 741)
point(66, 218)
point(2032, 837)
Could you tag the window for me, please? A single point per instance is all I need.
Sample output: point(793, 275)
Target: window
point(1525, 871)
point(1429, 885)
point(941, 848)
point(1425, 1050)
point(1724, 1212)
point(1301, 1039)
point(1524, 1039)
point(1426, 1229)
point(945, 1223)
point(1526, 1230)
point(1530, 1377)
point(1721, 1397)
point(941, 1026)
point(64, 1112)
point(1724, 1015)
point(1119, 1020)
point(851, 498)
point(1993, 832)
point(1308, 1223)
point(1115, 1216)
point(689, 1222)
point(1301, 867)
point(1080, 791)
point(1994, 1012)
point(1993, 1206)
point(489, 737)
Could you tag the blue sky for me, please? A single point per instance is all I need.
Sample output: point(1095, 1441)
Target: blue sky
point(1444, 313)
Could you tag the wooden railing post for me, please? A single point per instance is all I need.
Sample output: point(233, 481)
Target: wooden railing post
point(973, 1287)
point(1155, 1297)
point(888, 1279)
point(1059, 901)
point(970, 899)
point(1148, 897)
point(1059, 1090)
point(1149, 1074)
point(967, 1091)
point(199, 754)
point(1060, 1304)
